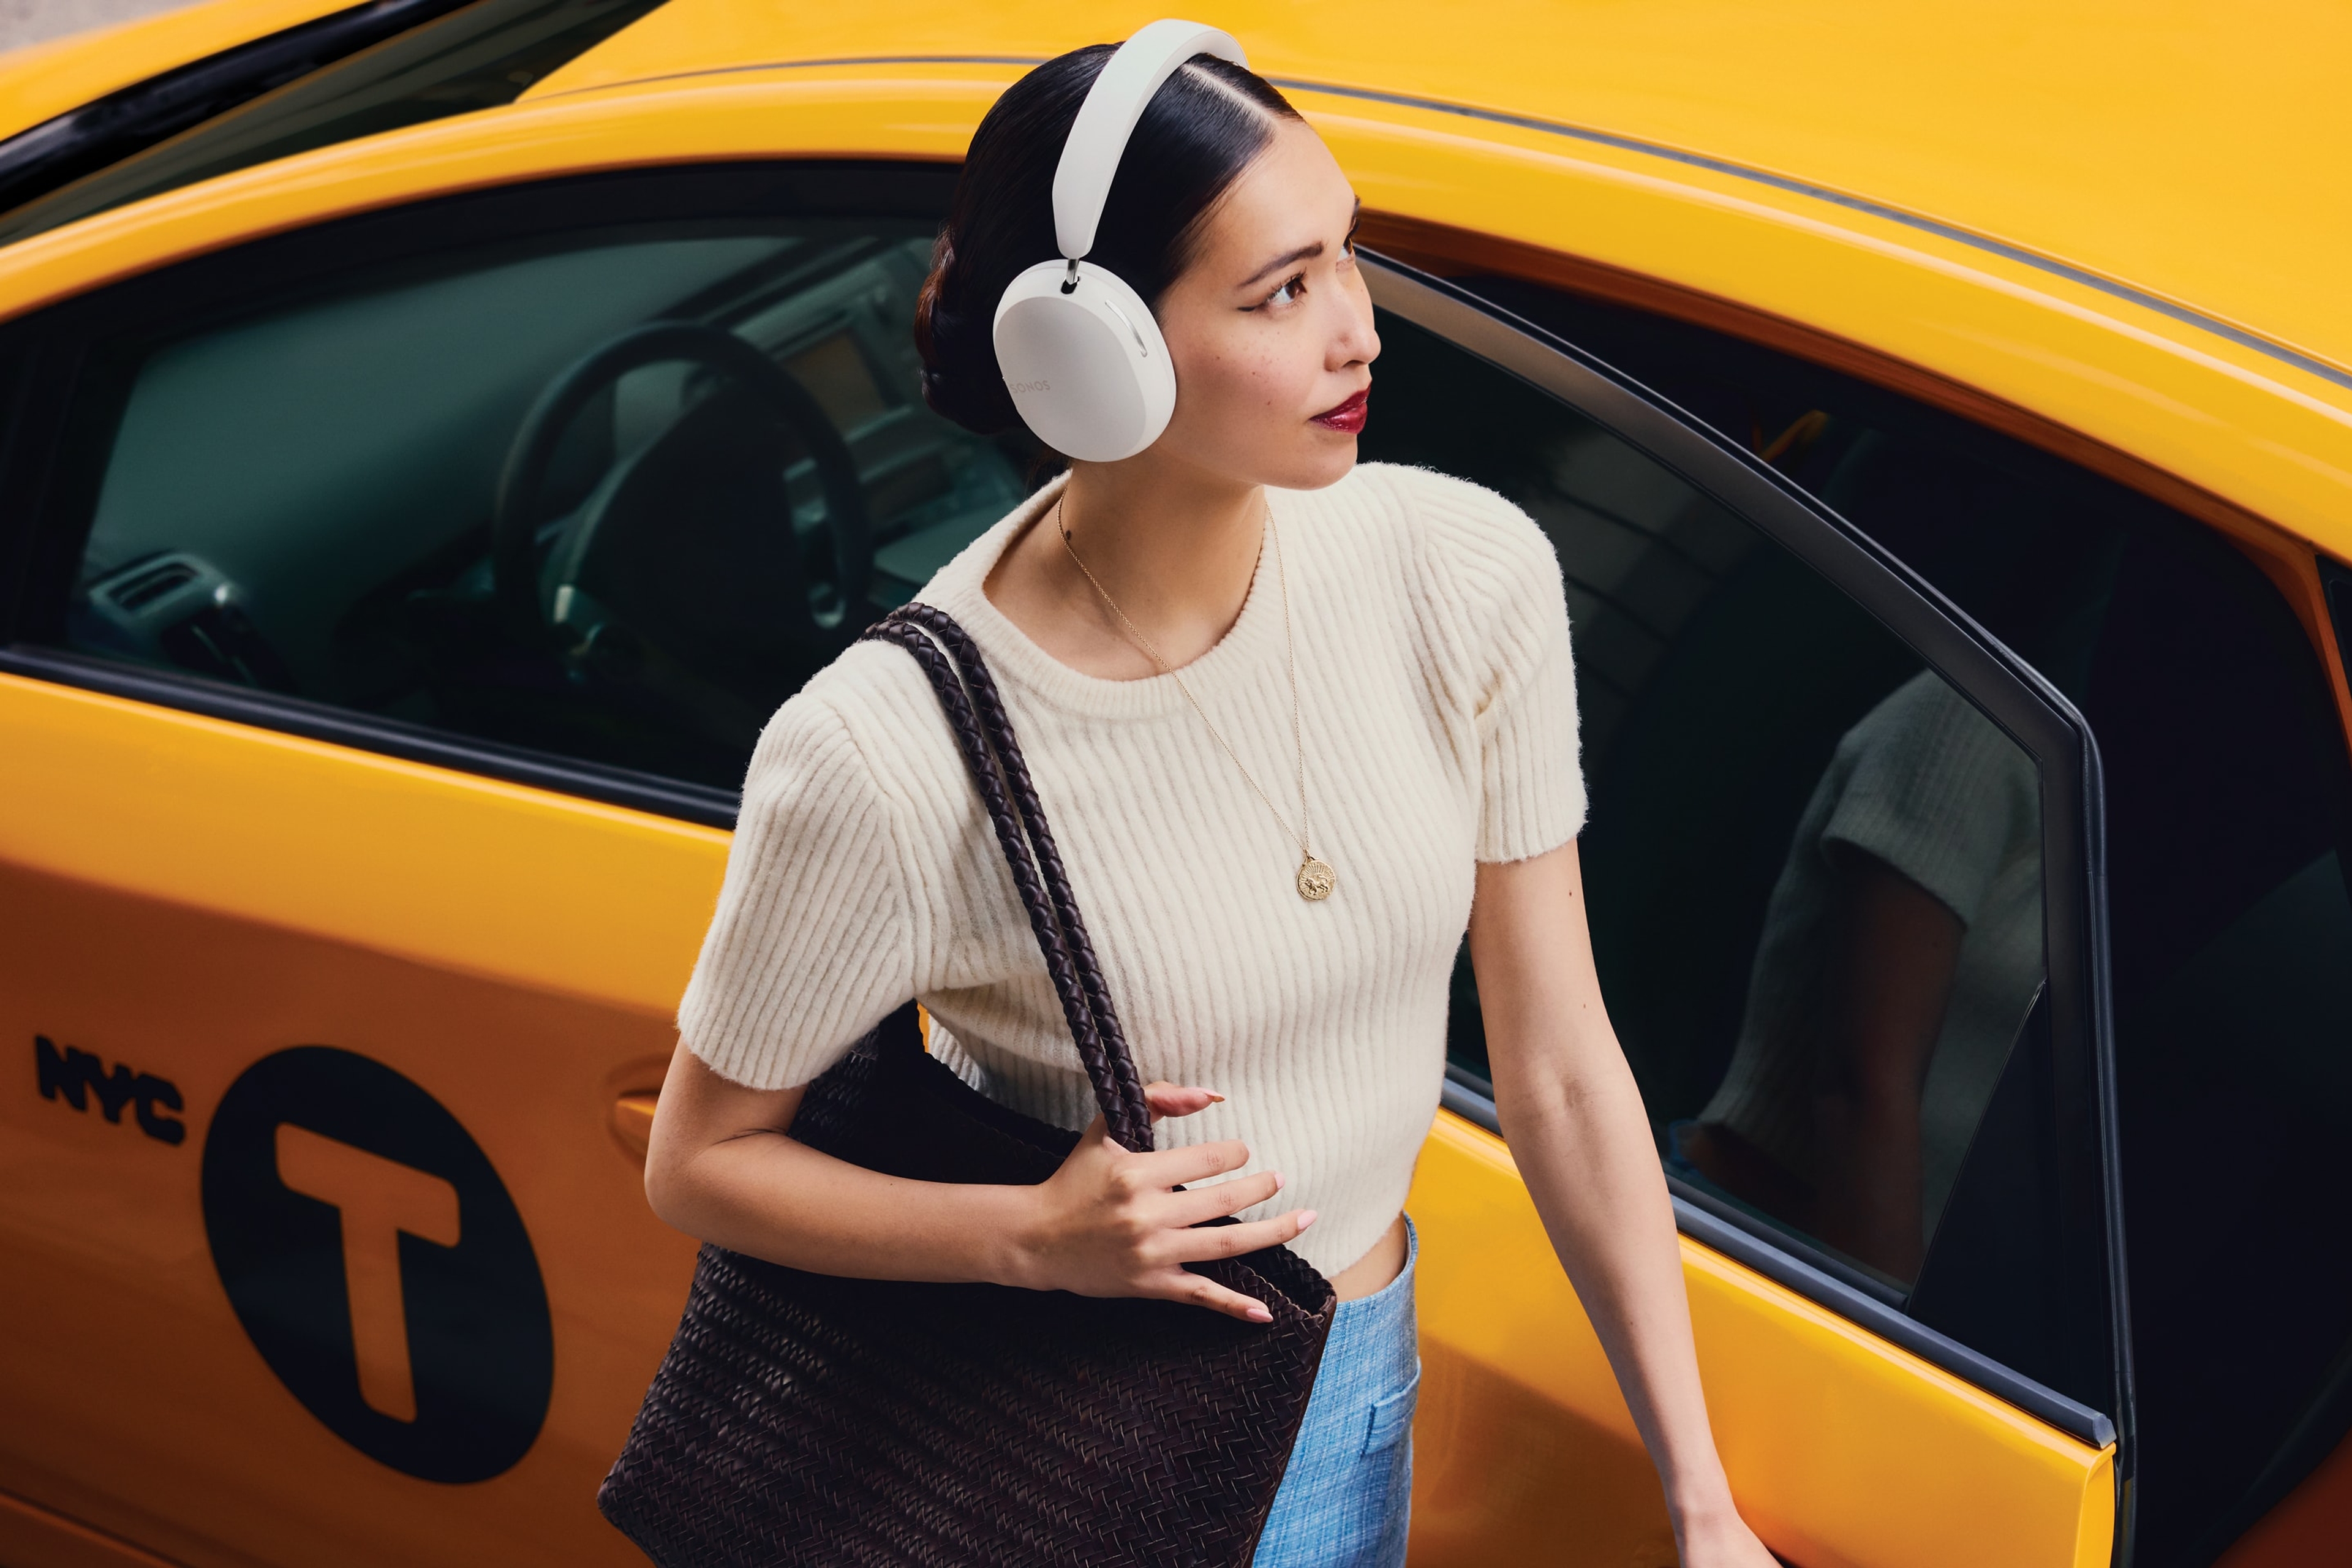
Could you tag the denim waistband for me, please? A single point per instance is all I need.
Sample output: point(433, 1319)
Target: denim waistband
point(1384, 1318)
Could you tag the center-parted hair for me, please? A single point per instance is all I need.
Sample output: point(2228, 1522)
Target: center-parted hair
point(1205, 125)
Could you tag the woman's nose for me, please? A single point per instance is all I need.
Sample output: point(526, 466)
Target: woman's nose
point(1354, 340)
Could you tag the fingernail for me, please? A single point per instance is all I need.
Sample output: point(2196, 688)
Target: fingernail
point(1277, 1180)
point(1307, 1219)
point(1213, 1095)
point(1258, 1314)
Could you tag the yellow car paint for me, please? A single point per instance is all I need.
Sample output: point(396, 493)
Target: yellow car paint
point(575, 896)
point(110, 1276)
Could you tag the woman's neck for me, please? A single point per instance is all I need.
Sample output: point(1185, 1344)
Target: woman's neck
point(1175, 550)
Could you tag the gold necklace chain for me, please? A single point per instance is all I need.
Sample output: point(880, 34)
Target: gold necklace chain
point(1314, 879)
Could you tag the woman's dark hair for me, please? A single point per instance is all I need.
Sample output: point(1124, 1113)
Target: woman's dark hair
point(1198, 133)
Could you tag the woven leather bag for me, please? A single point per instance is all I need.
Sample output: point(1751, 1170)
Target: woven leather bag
point(805, 1419)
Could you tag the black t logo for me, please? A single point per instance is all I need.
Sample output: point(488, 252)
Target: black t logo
point(378, 1264)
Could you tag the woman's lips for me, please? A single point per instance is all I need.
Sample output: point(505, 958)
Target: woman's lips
point(1348, 416)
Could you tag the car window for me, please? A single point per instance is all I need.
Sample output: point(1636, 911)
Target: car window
point(1815, 864)
point(2228, 804)
point(613, 495)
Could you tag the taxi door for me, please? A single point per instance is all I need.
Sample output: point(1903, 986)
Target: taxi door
point(321, 1246)
point(342, 908)
point(1839, 837)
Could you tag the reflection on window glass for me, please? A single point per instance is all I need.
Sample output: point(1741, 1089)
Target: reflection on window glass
point(304, 498)
point(1815, 866)
point(1900, 954)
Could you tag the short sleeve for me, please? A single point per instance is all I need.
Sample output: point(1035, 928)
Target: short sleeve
point(812, 944)
point(1935, 790)
point(1496, 615)
point(1531, 782)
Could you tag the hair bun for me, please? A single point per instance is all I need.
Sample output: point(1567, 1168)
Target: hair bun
point(960, 379)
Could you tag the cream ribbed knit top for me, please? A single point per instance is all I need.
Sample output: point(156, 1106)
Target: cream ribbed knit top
point(1440, 719)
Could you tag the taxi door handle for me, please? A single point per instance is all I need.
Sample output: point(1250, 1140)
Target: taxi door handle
point(632, 1117)
point(632, 1120)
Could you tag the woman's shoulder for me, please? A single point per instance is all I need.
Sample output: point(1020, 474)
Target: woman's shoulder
point(868, 722)
point(1454, 526)
point(1477, 558)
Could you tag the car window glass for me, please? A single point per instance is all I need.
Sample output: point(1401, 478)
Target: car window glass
point(691, 439)
point(2228, 805)
point(1815, 865)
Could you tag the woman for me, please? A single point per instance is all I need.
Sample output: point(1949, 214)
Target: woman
point(1181, 636)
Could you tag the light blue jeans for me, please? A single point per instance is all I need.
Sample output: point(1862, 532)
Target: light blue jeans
point(1347, 1494)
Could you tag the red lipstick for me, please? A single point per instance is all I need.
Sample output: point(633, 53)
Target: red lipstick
point(1349, 417)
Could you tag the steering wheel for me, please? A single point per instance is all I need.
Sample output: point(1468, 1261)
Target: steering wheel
point(514, 571)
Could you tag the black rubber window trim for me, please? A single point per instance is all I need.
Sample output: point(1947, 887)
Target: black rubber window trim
point(2009, 691)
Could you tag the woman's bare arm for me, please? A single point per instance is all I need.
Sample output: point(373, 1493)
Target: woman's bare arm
point(1582, 1140)
point(722, 1167)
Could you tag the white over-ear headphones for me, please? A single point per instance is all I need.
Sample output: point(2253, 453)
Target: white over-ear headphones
point(1079, 348)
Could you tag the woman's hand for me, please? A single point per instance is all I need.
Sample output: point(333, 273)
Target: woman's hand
point(722, 1167)
point(1108, 1223)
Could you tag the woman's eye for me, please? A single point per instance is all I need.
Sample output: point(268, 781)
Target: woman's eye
point(1290, 291)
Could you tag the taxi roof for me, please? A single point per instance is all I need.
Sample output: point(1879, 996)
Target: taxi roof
point(2188, 154)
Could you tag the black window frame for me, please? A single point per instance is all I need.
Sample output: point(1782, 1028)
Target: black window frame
point(2009, 691)
point(43, 521)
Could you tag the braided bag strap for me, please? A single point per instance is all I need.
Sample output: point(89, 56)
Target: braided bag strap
point(990, 705)
point(983, 734)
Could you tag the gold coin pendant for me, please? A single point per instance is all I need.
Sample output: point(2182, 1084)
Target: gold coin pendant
point(1314, 880)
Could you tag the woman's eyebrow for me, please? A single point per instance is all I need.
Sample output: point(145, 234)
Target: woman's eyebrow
point(1304, 253)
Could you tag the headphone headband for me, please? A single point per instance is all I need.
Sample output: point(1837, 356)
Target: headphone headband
point(1106, 119)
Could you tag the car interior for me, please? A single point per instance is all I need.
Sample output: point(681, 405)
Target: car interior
point(616, 501)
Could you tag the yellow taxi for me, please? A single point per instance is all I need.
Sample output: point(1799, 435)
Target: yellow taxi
point(437, 434)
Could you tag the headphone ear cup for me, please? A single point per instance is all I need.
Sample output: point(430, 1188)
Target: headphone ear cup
point(1086, 368)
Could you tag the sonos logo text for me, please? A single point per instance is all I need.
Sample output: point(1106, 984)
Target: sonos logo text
point(1030, 385)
